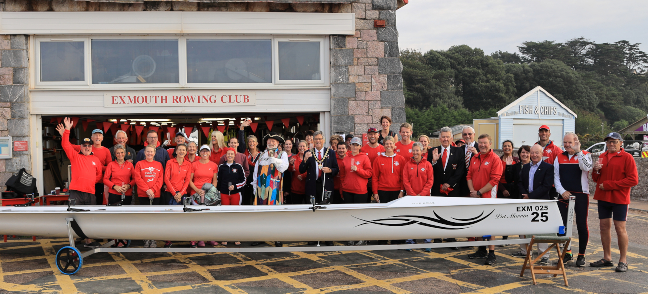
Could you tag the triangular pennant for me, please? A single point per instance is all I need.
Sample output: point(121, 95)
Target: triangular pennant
point(254, 127)
point(99, 125)
point(154, 128)
point(206, 130)
point(221, 128)
point(269, 123)
point(138, 129)
point(106, 126)
point(75, 120)
point(300, 119)
point(124, 127)
point(113, 129)
point(188, 130)
point(52, 120)
point(171, 131)
point(286, 122)
point(59, 119)
point(85, 125)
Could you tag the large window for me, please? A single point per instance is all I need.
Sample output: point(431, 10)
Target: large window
point(134, 61)
point(229, 61)
point(214, 62)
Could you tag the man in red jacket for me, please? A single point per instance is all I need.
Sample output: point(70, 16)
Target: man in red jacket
point(549, 152)
point(615, 174)
point(86, 170)
point(483, 176)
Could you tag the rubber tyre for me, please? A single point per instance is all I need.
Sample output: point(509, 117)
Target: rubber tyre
point(68, 257)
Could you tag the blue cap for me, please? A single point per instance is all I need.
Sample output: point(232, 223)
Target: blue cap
point(613, 135)
point(97, 131)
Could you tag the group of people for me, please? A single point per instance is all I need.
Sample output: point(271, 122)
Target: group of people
point(388, 167)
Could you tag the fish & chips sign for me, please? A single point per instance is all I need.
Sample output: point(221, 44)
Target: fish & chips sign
point(178, 99)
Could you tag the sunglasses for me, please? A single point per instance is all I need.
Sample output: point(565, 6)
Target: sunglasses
point(86, 145)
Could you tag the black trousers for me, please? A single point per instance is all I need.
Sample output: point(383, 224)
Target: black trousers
point(115, 198)
point(354, 198)
point(298, 199)
point(581, 209)
point(99, 193)
point(336, 197)
point(165, 197)
point(386, 196)
point(147, 201)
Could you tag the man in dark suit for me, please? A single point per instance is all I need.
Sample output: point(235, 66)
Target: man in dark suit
point(468, 151)
point(536, 177)
point(536, 180)
point(448, 164)
point(321, 167)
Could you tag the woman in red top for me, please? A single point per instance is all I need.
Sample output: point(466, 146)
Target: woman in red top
point(507, 187)
point(425, 141)
point(218, 147)
point(149, 177)
point(192, 149)
point(119, 178)
point(355, 175)
point(298, 185)
point(177, 176)
point(418, 176)
point(203, 171)
point(388, 174)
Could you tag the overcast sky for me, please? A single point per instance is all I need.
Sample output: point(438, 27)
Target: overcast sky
point(504, 24)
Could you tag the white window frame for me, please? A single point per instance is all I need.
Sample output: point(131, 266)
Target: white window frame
point(229, 85)
point(182, 63)
point(86, 66)
point(324, 60)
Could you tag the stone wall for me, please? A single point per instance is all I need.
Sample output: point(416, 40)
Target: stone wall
point(366, 81)
point(14, 103)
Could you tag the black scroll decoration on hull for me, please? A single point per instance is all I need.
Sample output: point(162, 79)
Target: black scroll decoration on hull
point(437, 221)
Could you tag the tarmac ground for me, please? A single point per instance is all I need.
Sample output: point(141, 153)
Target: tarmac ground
point(29, 267)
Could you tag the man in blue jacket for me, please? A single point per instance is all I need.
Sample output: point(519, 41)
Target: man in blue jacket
point(161, 155)
point(536, 180)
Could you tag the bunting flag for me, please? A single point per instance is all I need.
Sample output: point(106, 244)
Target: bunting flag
point(105, 126)
point(59, 119)
point(221, 128)
point(254, 126)
point(188, 130)
point(155, 128)
point(286, 122)
point(124, 127)
point(269, 123)
point(113, 129)
point(85, 125)
point(138, 130)
point(75, 120)
point(52, 120)
point(172, 131)
point(300, 119)
point(206, 130)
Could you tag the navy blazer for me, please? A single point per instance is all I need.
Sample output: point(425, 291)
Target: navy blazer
point(453, 172)
point(310, 166)
point(542, 181)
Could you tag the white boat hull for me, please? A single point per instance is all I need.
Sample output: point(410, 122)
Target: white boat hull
point(410, 217)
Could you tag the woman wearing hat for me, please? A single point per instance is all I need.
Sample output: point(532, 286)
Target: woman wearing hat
point(203, 171)
point(270, 167)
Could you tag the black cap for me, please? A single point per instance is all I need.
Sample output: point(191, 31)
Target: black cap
point(613, 135)
point(86, 141)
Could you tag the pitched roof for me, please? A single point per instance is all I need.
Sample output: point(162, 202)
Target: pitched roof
point(536, 89)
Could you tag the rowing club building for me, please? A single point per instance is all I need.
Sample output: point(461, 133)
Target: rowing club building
point(196, 66)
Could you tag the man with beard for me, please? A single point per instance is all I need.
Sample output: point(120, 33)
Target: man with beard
point(103, 154)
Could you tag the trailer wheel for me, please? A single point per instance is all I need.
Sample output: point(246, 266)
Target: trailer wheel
point(68, 260)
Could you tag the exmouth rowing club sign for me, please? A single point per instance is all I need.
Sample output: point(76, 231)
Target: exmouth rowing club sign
point(207, 98)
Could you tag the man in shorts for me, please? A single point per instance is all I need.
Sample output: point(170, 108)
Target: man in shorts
point(615, 174)
point(86, 171)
